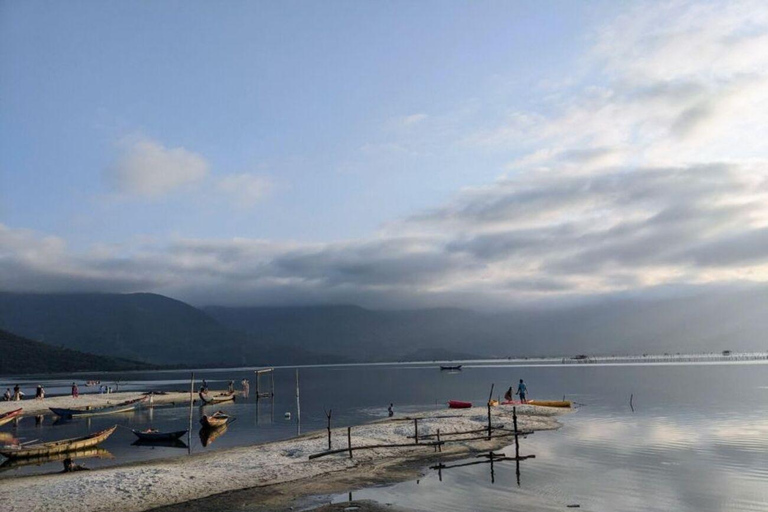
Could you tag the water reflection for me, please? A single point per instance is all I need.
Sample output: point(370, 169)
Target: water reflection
point(88, 453)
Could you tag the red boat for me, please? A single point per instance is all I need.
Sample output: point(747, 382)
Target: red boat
point(457, 404)
point(5, 418)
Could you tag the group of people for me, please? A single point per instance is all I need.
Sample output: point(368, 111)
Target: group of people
point(18, 394)
point(245, 385)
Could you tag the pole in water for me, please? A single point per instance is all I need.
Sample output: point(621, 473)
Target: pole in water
point(631, 396)
point(349, 440)
point(298, 405)
point(191, 402)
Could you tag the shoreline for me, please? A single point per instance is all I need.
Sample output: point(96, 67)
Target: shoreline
point(151, 485)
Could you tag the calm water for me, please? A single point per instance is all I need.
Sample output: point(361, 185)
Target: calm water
point(697, 440)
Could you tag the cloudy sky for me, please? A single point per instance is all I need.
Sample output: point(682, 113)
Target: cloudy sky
point(390, 154)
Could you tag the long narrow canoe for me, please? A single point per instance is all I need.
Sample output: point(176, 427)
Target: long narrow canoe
point(158, 436)
point(550, 403)
point(54, 447)
point(451, 368)
point(207, 398)
point(215, 420)
point(8, 416)
point(99, 410)
point(540, 403)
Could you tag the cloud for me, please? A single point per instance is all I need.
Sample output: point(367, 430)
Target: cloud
point(648, 171)
point(245, 190)
point(146, 168)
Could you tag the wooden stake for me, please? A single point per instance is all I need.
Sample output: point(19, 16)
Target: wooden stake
point(191, 402)
point(416, 428)
point(328, 415)
point(349, 441)
point(439, 444)
point(490, 397)
point(298, 405)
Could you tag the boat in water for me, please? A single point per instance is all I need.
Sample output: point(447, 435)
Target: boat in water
point(99, 410)
point(56, 447)
point(215, 420)
point(10, 415)
point(455, 368)
point(209, 435)
point(85, 453)
point(540, 403)
point(207, 398)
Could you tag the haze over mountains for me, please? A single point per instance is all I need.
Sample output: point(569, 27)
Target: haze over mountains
point(157, 329)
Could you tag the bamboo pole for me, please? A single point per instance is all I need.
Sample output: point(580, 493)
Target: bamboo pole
point(298, 405)
point(328, 415)
point(349, 442)
point(191, 403)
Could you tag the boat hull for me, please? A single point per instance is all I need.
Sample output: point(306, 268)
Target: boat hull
point(216, 399)
point(56, 447)
point(9, 416)
point(214, 422)
point(457, 404)
point(98, 411)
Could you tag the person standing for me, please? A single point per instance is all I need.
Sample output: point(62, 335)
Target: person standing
point(522, 390)
point(231, 387)
point(40, 393)
point(7, 395)
point(17, 393)
point(75, 390)
point(391, 410)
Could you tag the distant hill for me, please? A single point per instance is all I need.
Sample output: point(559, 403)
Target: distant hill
point(143, 327)
point(140, 326)
point(161, 330)
point(20, 355)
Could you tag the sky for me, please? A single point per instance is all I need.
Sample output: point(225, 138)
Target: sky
point(388, 154)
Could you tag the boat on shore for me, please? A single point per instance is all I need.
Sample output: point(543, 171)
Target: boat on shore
point(99, 410)
point(540, 403)
point(56, 447)
point(156, 435)
point(215, 420)
point(208, 398)
point(10, 415)
point(455, 368)
point(458, 404)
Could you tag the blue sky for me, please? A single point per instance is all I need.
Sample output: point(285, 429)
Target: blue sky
point(361, 138)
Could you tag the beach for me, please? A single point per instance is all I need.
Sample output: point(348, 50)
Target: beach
point(161, 483)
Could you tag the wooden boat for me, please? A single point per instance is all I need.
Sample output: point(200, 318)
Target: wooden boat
point(87, 453)
point(207, 398)
point(458, 404)
point(550, 403)
point(54, 447)
point(215, 420)
point(451, 368)
point(176, 443)
point(99, 410)
point(155, 435)
point(9, 416)
point(540, 403)
point(209, 435)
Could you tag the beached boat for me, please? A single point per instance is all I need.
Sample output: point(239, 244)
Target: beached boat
point(54, 447)
point(99, 410)
point(9, 416)
point(156, 435)
point(451, 368)
point(207, 398)
point(458, 404)
point(550, 403)
point(540, 403)
point(215, 420)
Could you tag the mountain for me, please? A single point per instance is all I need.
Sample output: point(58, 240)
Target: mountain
point(21, 355)
point(140, 326)
point(143, 327)
point(161, 330)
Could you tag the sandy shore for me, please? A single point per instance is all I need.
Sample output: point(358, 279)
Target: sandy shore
point(34, 407)
point(144, 486)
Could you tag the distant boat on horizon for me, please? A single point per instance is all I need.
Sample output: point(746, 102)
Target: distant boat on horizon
point(449, 368)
